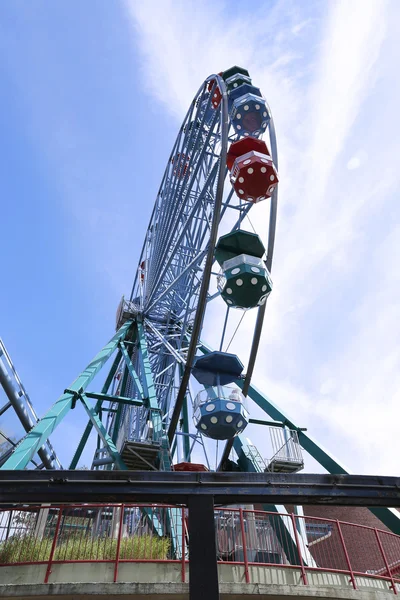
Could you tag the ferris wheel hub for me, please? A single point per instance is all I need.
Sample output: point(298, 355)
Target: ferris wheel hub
point(126, 311)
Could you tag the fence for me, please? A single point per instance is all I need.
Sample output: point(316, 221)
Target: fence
point(121, 533)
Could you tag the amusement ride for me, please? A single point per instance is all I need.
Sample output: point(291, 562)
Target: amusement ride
point(170, 402)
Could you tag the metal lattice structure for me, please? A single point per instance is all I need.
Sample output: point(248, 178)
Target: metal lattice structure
point(142, 414)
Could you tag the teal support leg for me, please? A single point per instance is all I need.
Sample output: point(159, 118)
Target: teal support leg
point(89, 426)
point(43, 429)
point(117, 423)
point(118, 416)
point(102, 432)
point(149, 391)
point(131, 370)
point(153, 520)
point(172, 526)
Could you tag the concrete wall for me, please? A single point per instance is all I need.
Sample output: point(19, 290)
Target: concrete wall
point(92, 572)
point(76, 581)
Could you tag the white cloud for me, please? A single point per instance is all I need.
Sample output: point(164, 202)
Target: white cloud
point(354, 163)
point(329, 354)
point(300, 26)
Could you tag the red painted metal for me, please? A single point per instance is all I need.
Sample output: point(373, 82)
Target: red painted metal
point(296, 535)
point(53, 547)
point(244, 544)
point(243, 146)
point(216, 93)
point(211, 82)
point(393, 586)
point(352, 578)
point(75, 524)
point(254, 176)
point(181, 164)
point(187, 466)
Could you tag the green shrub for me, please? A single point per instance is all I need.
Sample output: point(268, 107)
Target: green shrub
point(145, 546)
point(24, 548)
point(27, 548)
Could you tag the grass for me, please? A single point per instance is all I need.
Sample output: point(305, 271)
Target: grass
point(27, 548)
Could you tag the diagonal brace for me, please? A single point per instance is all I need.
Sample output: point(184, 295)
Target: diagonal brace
point(43, 429)
point(130, 368)
point(101, 430)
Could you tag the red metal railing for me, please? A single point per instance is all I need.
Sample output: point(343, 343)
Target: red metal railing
point(125, 533)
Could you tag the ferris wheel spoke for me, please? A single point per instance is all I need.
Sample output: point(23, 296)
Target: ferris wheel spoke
point(206, 274)
point(175, 248)
point(174, 215)
point(159, 335)
point(172, 285)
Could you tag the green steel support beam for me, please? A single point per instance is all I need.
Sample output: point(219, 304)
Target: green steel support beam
point(131, 370)
point(101, 430)
point(44, 428)
point(389, 516)
point(83, 442)
point(153, 521)
point(149, 391)
point(150, 394)
point(117, 423)
point(118, 416)
point(267, 423)
point(89, 426)
point(112, 398)
point(148, 384)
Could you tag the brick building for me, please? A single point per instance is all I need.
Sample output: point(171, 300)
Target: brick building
point(327, 527)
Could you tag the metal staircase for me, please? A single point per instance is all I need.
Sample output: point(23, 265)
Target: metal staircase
point(140, 456)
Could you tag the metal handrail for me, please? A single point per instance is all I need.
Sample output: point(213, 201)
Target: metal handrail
point(244, 537)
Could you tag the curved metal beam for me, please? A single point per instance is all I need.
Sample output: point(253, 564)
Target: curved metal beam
point(22, 413)
point(270, 253)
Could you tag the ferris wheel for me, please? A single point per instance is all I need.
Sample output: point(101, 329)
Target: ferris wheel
point(167, 393)
point(218, 169)
point(169, 401)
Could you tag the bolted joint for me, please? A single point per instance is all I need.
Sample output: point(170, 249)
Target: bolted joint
point(75, 396)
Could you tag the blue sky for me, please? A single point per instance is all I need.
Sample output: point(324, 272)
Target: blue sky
point(92, 99)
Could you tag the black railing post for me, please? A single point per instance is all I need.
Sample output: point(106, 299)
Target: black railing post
point(203, 570)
